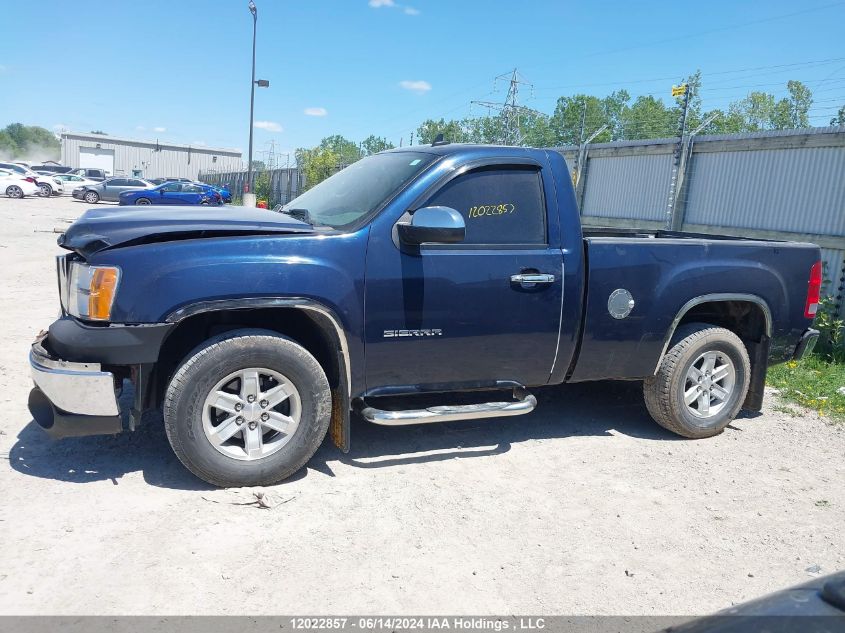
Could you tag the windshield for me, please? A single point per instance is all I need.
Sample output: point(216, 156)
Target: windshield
point(358, 190)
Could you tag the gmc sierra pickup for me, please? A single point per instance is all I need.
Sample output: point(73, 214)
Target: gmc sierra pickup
point(458, 275)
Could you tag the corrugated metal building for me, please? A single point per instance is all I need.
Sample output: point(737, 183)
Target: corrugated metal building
point(145, 159)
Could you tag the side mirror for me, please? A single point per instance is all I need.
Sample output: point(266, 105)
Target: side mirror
point(440, 225)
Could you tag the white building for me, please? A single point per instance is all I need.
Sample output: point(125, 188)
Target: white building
point(145, 159)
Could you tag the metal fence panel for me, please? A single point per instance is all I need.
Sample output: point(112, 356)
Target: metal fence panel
point(285, 184)
point(634, 187)
point(799, 190)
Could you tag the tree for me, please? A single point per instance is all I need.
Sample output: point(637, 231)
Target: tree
point(29, 141)
point(452, 131)
point(97, 132)
point(258, 165)
point(346, 151)
point(649, 117)
point(316, 164)
point(792, 112)
point(839, 119)
point(374, 144)
point(262, 187)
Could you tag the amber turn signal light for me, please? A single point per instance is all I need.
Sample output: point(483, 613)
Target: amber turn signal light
point(101, 293)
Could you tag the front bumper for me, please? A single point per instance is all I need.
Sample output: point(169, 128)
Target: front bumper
point(806, 344)
point(72, 399)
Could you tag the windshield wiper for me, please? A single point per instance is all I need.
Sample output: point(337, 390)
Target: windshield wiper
point(298, 214)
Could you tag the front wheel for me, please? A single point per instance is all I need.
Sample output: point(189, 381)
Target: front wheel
point(143, 201)
point(701, 382)
point(92, 197)
point(13, 191)
point(247, 408)
point(45, 189)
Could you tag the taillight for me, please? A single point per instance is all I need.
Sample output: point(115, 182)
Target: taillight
point(30, 179)
point(814, 288)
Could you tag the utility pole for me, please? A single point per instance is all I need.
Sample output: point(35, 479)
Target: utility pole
point(249, 193)
point(677, 154)
point(510, 111)
point(677, 217)
point(412, 139)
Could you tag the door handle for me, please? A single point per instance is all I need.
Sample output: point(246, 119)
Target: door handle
point(530, 279)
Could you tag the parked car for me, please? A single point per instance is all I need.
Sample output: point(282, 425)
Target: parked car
point(17, 185)
point(161, 181)
point(47, 185)
point(92, 174)
point(223, 190)
point(109, 190)
point(184, 193)
point(53, 169)
point(460, 272)
point(71, 182)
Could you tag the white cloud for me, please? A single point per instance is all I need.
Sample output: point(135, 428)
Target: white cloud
point(419, 86)
point(270, 126)
point(316, 111)
point(391, 4)
point(159, 129)
point(140, 128)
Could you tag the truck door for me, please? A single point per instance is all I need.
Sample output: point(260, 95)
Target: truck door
point(448, 316)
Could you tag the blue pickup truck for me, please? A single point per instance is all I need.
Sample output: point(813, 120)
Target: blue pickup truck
point(418, 285)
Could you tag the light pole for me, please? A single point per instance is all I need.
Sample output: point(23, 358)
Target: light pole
point(249, 190)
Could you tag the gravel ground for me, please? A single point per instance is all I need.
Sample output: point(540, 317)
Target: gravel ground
point(583, 507)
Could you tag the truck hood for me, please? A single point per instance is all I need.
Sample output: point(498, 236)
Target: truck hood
point(99, 229)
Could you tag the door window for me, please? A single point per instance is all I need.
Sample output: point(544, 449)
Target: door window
point(117, 182)
point(502, 205)
point(172, 186)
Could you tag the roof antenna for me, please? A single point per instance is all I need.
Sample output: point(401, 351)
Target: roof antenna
point(438, 140)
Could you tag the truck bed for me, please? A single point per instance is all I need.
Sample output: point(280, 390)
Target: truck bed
point(664, 271)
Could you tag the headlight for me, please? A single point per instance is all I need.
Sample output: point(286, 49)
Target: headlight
point(91, 291)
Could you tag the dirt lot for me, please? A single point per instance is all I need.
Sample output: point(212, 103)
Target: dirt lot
point(584, 506)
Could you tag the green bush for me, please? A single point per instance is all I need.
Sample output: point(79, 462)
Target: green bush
point(831, 345)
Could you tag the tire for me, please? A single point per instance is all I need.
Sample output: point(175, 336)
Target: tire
point(204, 203)
point(13, 191)
point(91, 197)
point(190, 422)
point(143, 201)
point(46, 190)
point(683, 372)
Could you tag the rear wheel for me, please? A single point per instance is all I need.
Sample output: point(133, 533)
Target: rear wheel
point(247, 408)
point(13, 191)
point(701, 383)
point(91, 197)
point(143, 201)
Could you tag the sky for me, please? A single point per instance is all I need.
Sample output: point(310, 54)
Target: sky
point(179, 70)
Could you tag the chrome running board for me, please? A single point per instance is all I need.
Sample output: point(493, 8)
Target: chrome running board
point(525, 404)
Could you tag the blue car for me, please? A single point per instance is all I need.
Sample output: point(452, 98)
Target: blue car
point(182, 193)
point(223, 190)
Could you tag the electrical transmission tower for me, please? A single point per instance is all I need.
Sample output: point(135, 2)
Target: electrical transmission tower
point(510, 112)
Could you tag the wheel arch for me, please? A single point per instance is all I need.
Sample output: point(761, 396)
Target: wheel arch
point(746, 315)
point(309, 323)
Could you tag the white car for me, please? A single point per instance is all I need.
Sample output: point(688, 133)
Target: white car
point(73, 181)
point(16, 185)
point(47, 184)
